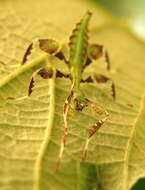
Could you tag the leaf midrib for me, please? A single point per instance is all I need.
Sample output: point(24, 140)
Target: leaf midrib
point(49, 126)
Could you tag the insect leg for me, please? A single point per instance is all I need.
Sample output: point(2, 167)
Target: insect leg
point(85, 103)
point(94, 128)
point(52, 47)
point(99, 78)
point(45, 73)
point(95, 51)
point(65, 129)
point(49, 46)
point(42, 72)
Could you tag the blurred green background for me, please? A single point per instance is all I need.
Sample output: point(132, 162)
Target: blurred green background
point(131, 12)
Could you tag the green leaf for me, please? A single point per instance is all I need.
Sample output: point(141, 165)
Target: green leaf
point(30, 129)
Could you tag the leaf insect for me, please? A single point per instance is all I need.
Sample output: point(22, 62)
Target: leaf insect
point(81, 55)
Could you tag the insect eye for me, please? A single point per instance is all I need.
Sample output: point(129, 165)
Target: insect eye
point(95, 51)
point(49, 45)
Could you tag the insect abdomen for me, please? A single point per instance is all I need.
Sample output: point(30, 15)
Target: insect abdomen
point(78, 45)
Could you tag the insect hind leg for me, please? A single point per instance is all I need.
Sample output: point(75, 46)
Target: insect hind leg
point(66, 108)
point(94, 128)
point(83, 103)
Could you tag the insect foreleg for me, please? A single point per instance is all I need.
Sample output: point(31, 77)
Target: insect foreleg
point(51, 47)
